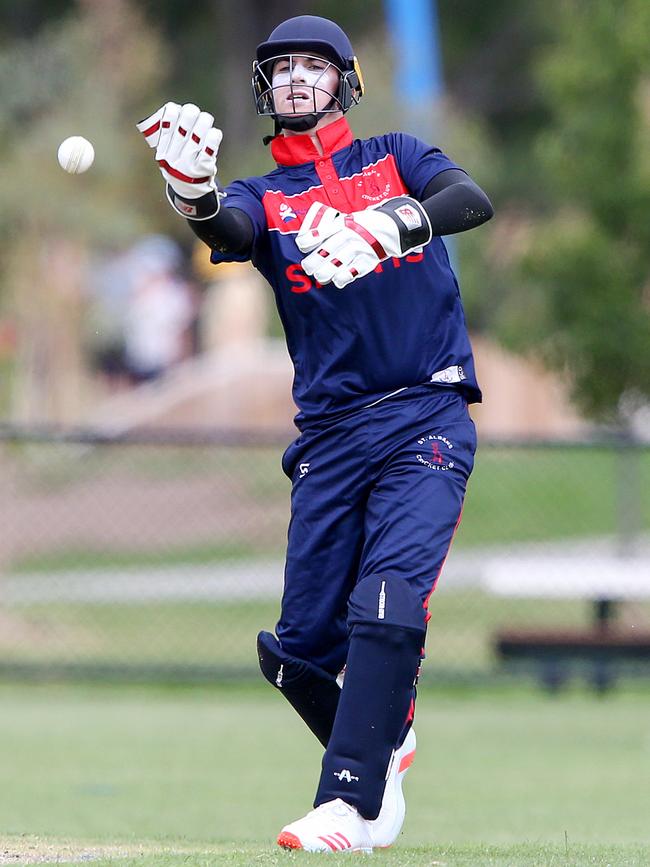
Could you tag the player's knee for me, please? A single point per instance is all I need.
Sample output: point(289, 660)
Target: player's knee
point(318, 639)
point(384, 600)
point(269, 655)
point(283, 670)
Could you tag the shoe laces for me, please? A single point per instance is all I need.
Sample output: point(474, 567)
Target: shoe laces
point(335, 808)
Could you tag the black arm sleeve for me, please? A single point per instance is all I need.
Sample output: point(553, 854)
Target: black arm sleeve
point(455, 203)
point(229, 231)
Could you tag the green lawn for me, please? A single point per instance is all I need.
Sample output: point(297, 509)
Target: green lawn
point(162, 855)
point(209, 776)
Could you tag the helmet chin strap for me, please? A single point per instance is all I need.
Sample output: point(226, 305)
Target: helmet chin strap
point(299, 123)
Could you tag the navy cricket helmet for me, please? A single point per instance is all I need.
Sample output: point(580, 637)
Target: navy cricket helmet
point(306, 35)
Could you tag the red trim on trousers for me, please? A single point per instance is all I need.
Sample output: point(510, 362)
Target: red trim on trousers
point(442, 565)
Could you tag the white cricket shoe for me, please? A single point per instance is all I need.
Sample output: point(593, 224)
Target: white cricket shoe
point(333, 827)
point(385, 829)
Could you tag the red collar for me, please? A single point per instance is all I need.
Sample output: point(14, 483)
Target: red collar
point(293, 150)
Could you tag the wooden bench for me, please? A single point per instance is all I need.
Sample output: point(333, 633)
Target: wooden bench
point(601, 650)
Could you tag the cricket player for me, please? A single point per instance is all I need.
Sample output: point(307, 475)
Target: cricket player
point(348, 234)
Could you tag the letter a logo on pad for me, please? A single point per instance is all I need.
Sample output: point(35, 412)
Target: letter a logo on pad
point(346, 775)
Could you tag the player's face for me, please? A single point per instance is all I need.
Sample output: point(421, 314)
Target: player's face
point(303, 85)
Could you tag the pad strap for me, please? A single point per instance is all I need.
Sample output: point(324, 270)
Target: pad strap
point(411, 219)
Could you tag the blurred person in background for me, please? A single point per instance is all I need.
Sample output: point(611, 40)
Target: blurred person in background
point(159, 312)
point(383, 377)
point(109, 288)
point(142, 313)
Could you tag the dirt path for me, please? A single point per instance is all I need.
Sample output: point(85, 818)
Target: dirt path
point(32, 850)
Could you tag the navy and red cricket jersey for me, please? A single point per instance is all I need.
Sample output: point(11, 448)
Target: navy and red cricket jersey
point(401, 326)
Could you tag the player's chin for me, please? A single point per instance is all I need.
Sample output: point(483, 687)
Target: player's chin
point(290, 111)
point(294, 108)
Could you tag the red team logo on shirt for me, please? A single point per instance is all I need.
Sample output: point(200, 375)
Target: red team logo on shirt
point(287, 213)
point(374, 187)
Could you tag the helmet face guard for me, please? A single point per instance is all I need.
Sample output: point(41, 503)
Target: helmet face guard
point(300, 37)
point(265, 85)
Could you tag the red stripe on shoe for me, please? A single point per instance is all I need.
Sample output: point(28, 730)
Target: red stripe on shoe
point(342, 837)
point(351, 223)
point(334, 848)
point(406, 762)
point(151, 130)
point(181, 177)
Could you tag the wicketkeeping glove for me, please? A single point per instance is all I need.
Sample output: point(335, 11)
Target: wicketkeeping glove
point(186, 144)
point(345, 247)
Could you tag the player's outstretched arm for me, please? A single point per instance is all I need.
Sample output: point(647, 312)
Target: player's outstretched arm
point(229, 231)
point(454, 203)
point(187, 144)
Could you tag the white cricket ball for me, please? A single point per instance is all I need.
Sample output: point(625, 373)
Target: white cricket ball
point(76, 154)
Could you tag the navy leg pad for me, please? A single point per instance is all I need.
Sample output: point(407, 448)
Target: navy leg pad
point(311, 691)
point(388, 628)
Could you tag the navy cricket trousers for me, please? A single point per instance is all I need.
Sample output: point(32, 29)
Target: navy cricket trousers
point(377, 492)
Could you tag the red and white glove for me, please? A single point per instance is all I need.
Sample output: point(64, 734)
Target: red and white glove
point(345, 247)
point(186, 144)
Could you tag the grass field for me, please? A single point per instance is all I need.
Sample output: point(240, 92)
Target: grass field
point(162, 777)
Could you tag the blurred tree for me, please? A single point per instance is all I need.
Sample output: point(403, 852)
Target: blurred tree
point(483, 43)
point(25, 18)
point(489, 52)
point(87, 74)
point(586, 307)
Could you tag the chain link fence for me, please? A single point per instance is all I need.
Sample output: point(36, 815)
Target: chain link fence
point(161, 555)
